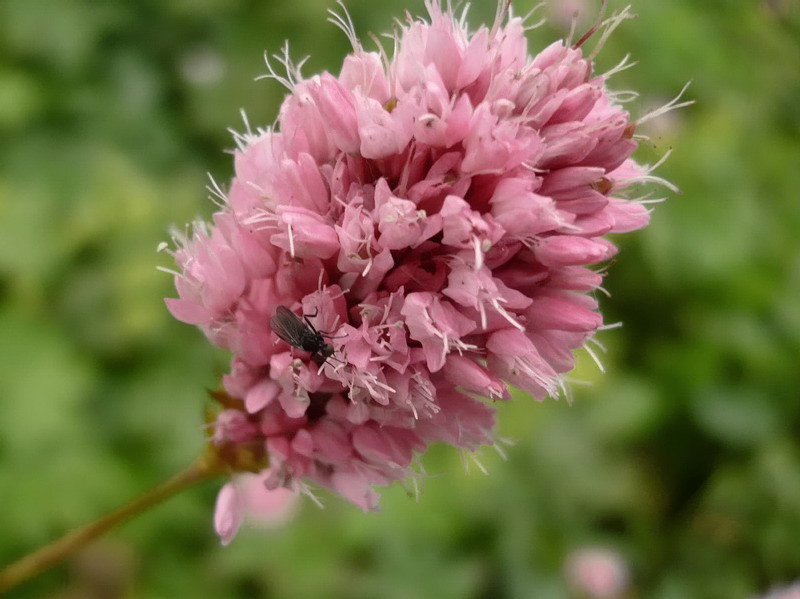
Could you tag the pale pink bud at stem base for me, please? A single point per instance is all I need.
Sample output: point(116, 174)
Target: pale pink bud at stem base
point(229, 513)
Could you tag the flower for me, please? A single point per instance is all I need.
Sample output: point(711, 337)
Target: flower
point(792, 591)
point(598, 572)
point(432, 218)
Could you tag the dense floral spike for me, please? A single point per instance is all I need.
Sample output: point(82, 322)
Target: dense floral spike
point(434, 215)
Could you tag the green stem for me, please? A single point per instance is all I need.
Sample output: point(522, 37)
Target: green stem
point(49, 555)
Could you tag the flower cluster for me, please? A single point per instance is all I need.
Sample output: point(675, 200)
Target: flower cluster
point(434, 216)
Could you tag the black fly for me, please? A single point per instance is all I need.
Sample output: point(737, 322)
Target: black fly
point(302, 335)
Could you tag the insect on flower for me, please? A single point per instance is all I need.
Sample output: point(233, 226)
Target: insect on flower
point(303, 335)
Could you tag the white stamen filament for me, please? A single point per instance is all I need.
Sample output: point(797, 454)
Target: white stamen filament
point(594, 357)
point(293, 74)
point(291, 239)
point(480, 466)
point(496, 305)
point(610, 25)
point(478, 253)
point(522, 366)
point(622, 66)
point(169, 271)
point(218, 197)
point(668, 107)
point(345, 23)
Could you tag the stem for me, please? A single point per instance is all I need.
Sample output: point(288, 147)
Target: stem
point(49, 555)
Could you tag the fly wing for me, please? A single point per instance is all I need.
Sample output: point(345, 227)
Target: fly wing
point(288, 326)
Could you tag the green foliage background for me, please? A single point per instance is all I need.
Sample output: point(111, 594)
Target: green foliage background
point(684, 456)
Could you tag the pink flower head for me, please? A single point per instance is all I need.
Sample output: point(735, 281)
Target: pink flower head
point(433, 219)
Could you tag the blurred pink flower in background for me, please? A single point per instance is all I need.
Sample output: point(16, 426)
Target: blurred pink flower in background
point(788, 592)
point(597, 572)
point(563, 13)
point(268, 508)
point(436, 215)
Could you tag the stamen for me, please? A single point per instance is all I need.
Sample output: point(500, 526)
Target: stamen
point(293, 75)
point(480, 466)
point(669, 106)
point(169, 271)
point(244, 139)
point(592, 29)
point(304, 489)
point(610, 25)
point(529, 14)
point(272, 74)
point(217, 196)
point(496, 304)
point(622, 66)
point(622, 97)
point(345, 23)
point(500, 17)
point(291, 240)
point(594, 357)
point(478, 253)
